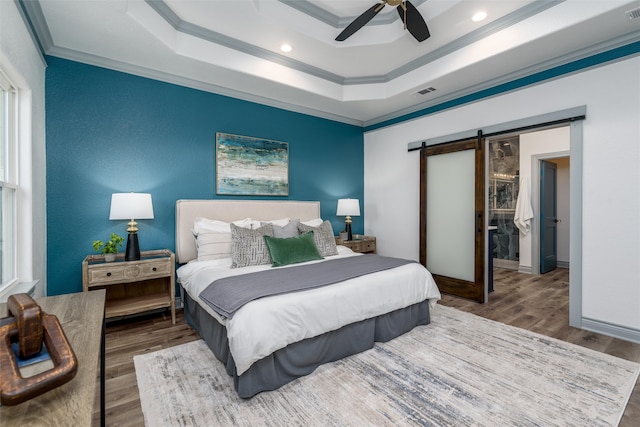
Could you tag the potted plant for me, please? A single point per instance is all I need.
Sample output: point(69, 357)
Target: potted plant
point(110, 248)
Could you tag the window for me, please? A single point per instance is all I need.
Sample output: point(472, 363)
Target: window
point(8, 179)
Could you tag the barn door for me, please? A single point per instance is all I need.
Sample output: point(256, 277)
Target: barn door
point(452, 216)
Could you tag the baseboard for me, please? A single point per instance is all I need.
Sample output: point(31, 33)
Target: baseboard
point(505, 263)
point(562, 264)
point(525, 269)
point(624, 333)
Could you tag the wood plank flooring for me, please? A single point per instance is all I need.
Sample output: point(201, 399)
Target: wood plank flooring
point(537, 303)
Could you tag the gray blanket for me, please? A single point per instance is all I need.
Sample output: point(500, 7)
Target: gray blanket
point(229, 294)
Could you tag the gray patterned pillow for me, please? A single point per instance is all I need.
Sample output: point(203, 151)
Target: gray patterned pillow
point(248, 246)
point(323, 235)
point(289, 230)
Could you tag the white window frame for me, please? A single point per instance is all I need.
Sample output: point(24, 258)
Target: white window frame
point(9, 182)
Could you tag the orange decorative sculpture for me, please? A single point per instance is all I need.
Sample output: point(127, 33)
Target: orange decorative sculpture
point(30, 327)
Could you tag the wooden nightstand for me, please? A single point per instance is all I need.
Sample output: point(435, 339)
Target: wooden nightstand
point(360, 243)
point(133, 286)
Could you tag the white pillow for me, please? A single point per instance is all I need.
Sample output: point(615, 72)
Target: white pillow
point(213, 237)
point(313, 222)
point(201, 225)
point(213, 246)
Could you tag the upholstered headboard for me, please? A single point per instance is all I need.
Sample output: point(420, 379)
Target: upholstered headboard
point(233, 210)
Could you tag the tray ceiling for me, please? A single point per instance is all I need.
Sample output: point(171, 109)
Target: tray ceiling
point(232, 47)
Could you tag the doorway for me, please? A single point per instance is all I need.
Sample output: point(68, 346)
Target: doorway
point(555, 219)
point(554, 145)
point(572, 120)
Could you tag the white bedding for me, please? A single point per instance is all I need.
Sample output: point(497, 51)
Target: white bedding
point(269, 324)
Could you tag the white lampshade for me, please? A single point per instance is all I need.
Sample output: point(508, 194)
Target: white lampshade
point(131, 206)
point(348, 207)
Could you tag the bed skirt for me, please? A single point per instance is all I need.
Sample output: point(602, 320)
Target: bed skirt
point(303, 357)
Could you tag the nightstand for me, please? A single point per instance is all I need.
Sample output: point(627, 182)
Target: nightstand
point(133, 286)
point(360, 243)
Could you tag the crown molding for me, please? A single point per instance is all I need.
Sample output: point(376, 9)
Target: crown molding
point(338, 22)
point(613, 50)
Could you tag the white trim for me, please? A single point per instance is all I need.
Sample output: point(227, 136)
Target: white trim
point(535, 204)
point(576, 148)
point(621, 332)
point(524, 269)
point(514, 125)
point(31, 288)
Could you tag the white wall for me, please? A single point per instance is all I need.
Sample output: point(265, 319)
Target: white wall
point(21, 60)
point(611, 178)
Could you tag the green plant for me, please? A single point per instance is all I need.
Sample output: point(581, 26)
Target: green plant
point(111, 247)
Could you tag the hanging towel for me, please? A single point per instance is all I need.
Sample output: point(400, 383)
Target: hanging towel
point(524, 212)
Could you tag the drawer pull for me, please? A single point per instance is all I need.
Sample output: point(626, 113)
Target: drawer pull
point(109, 274)
point(155, 268)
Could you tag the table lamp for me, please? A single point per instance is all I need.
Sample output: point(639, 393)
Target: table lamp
point(348, 208)
point(130, 206)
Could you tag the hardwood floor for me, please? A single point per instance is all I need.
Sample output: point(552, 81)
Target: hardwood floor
point(536, 303)
point(124, 340)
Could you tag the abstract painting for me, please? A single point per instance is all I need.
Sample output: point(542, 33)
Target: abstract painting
point(251, 166)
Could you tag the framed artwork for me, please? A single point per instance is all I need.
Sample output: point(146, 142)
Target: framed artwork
point(250, 166)
point(502, 195)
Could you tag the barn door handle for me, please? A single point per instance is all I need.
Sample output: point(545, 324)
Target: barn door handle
point(478, 218)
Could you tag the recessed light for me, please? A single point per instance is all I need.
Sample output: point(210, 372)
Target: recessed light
point(479, 16)
point(286, 47)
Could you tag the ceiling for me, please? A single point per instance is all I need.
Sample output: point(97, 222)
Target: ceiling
point(232, 47)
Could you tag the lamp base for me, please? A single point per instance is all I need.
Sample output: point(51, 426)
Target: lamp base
point(133, 249)
point(349, 235)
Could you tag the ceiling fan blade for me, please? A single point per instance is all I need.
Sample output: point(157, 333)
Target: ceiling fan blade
point(414, 21)
point(360, 21)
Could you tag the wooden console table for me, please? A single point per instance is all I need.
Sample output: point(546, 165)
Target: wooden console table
point(82, 318)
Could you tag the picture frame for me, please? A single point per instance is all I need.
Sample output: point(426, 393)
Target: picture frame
point(502, 195)
point(249, 166)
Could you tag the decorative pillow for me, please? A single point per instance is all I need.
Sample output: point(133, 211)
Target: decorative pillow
point(248, 246)
point(292, 250)
point(283, 232)
point(279, 222)
point(323, 235)
point(312, 222)
point(213, 237)
point(213, 246)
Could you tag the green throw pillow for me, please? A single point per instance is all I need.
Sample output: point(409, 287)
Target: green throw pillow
point(292, 250)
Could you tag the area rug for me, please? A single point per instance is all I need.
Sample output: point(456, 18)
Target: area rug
point(461, 370)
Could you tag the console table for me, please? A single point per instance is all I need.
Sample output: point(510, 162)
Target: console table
point(82, 318)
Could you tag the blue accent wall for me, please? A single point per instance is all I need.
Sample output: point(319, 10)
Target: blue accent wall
point(111, 132)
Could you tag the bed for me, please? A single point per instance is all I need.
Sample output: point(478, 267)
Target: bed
point(275, 339)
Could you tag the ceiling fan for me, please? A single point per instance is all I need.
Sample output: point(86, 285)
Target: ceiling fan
point(412, 19)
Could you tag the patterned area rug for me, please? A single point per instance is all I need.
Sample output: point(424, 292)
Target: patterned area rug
point(459, 370)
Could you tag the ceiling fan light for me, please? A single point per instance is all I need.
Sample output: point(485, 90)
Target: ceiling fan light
point(479, 16)
point(286, 47)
